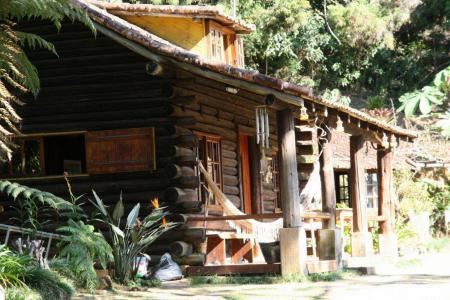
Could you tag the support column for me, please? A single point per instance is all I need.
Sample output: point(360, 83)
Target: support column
point(387, 236)
point(292, 236)
point(329, 237)
point(361, 238)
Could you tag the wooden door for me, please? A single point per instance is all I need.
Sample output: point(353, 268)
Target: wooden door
point(245, 171)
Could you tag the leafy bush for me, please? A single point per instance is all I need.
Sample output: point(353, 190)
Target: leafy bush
point(412, 193)
point(48, 283)
point(439, 195)
point(20, 271)
point(82, 248)
point(133, 238)
point(22, 293)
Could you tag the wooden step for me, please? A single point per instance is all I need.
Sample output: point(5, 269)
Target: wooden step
point(304, 128)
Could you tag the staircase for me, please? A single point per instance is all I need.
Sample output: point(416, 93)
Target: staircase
point(307, 150)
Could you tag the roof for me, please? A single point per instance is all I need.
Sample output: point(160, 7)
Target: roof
point(340, 145)
point(289, 92)
point(187, 11)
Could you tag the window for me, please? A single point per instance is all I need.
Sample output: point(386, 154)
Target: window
point(210, 155)
point(372, 189)
point(26, 161)
point(217, 49)
point(239, 44)
point(276, 180)
point(98, 152)
point(342, 188)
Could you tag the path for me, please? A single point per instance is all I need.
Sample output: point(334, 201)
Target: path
point(428, 281)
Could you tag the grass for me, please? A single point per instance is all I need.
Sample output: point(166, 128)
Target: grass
point(439, 245)
point(270, 279)
point(408, 262)
point(22, 293)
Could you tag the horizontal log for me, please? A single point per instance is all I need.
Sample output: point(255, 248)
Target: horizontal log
point(230, 180)
point(229, 145)
point(227, 162)
point(208, 110)
point(230, 171)
point(153, 112)
point(189, 182)
point(231, 190)
point(215, 129)
point(229, 154)
point(174, 195)
point(188, 235)
point(175, 171)
point(180, 248)
point(196, 259)
point(203, 118)
point(225, 115)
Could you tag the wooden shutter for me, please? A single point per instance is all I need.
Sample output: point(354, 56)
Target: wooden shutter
point(124, 150)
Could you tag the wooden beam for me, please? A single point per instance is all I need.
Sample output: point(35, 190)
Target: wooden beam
point(306, 215)
point(255, 171)
point(327, 180)
point(358, 184)
point(289, 189)
point(384, 172)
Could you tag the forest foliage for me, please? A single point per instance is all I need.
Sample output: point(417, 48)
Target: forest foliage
point(368, 50)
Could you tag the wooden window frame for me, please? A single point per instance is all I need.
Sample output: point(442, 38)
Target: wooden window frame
point(212, 138)
point(343, 189)
point(40, 138)
point(372, 186)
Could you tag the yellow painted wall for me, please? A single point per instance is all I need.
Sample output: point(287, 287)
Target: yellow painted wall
point(184, 32)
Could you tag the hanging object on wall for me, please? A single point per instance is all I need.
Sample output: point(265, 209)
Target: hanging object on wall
point(262, 126)
point(385, 142)
point(339, 125)
point(303, 114)
point(393, 142)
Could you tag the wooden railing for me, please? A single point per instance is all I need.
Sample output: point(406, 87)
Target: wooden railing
point(306, 215)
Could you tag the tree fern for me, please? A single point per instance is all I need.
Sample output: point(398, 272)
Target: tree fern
point(17, 74)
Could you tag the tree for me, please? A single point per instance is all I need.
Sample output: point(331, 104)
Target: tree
point(18, 76)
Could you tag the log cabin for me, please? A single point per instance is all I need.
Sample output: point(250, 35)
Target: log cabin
point(159, 104)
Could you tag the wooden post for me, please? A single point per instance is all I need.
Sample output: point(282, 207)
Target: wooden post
point(387, 237)
point(330, 246)
point(361, 240)
point(289, 189)
point(327, 180)
point(292, 236)
point(358, 184)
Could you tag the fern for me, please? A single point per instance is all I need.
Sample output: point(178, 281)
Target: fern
point(17, 74)
point(82, 248)
point(32, 203)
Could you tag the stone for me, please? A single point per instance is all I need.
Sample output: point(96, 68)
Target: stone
point(330, 245)
point(362, 245)
point(293, 251)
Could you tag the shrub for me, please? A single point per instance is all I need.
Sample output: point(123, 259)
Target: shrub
point(131, 237)
point(82, 248)
point(22, 293)
point(48, 283)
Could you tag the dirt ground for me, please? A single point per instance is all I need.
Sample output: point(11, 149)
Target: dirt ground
point(426, 277)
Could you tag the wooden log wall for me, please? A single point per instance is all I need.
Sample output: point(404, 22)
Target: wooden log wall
point(97, 84)
point(224, 114)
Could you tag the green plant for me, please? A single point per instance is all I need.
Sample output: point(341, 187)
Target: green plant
point(412, 194)
point(130, 238)
point(32, 204)
point(48, 283)
point(22, 293)
point(17, 73)
point(82, 248)
point(20, 271)
point(439, 195)
point(12, 267)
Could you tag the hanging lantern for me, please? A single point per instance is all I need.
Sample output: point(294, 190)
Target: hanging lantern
point(339, 125)
point(303, 114)
point(384, 141)
point(393, 142)
point(262, 126)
